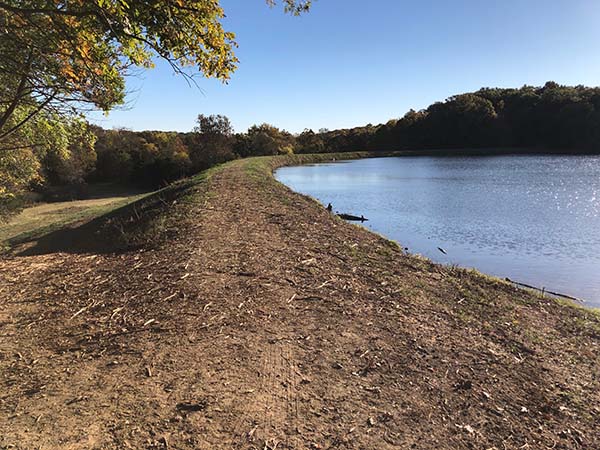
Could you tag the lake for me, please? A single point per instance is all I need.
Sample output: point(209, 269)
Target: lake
point(532, 218)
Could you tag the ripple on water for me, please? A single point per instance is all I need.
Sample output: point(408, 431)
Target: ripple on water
point(534, 218)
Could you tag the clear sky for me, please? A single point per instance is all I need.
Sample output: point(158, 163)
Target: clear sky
point(352, 62)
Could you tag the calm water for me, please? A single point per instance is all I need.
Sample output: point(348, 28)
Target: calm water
point(534, 219)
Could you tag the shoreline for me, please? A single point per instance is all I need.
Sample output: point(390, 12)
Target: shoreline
point(249, 317)
point(525, 284)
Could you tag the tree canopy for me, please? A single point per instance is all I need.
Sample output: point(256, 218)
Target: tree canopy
point(58, 54)
point(550, 117)
point(59, 58)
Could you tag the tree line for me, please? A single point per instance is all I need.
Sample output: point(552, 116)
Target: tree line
point(153, 158)
point(548, 118)
point(551, 117)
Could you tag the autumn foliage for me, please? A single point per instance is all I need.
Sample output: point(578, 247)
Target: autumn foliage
point(59, 59)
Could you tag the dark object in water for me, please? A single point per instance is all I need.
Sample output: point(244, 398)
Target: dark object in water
point(354, 218)
point(442, 250)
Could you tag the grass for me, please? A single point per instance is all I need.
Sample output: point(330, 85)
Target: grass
point(104, 224)
point(44, 218)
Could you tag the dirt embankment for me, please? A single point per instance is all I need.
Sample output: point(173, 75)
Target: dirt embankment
point(260, 321)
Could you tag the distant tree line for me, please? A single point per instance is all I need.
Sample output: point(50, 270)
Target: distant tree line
point(552, 117)
point(71, 153)
point(153, 158)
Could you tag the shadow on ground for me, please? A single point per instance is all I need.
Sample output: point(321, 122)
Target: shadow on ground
point(123, 229)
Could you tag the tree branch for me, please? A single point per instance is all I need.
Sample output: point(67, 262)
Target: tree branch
point(18, 94)
point(26, 119)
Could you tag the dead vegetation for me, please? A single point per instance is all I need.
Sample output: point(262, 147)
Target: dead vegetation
point(260, 321)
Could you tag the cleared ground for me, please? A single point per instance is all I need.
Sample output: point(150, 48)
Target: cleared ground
point(257, 320)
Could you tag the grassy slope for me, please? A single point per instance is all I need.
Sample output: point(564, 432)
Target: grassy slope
point(38, 220)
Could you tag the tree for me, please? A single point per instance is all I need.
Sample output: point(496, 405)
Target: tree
point(211, 141)
point(17, 169)
point(61, 55)
point(72, 166)
point(59, 58)
point(217, 125)
point(293, 6)
point(309, 142)
point(148, 158)
point(51, 141)
point(266, 139)
point(464, 120)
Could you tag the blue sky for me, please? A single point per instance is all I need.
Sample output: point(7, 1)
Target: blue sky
point(352, 62)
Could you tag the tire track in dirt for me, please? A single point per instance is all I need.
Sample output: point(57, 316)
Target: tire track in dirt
point(280, 394)
point(293, 381)
point(270, 419)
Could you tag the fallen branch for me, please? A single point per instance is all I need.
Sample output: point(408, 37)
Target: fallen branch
point(544, 291)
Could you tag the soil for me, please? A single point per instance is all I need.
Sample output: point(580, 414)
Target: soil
point(262, 321)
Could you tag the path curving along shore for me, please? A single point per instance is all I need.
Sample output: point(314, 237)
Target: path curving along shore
point(241, 315)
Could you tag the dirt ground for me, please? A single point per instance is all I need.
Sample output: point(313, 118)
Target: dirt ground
point(264, 322)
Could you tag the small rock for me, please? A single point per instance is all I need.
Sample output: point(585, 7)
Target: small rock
point(468, 428)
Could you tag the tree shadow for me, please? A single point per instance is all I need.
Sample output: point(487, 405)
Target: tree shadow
point(123, 229)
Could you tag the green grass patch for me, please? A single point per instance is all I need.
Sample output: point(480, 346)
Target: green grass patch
point(42, 219)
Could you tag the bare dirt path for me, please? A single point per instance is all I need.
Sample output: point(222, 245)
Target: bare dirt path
point(263, 322)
